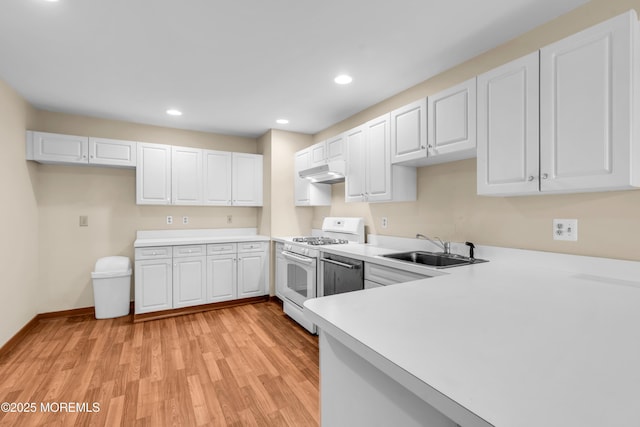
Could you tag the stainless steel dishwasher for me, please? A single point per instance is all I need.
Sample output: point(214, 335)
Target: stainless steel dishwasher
point(340, 274)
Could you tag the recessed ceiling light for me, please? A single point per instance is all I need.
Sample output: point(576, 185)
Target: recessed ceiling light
point(51, 1)
point(282, 121)
point(343, 79)
point(174, 112)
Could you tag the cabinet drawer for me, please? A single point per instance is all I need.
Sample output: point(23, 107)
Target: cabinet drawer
point(153, 252)
point(221, 248)
point(251, 247)
point(190, 250)
point(389, 276)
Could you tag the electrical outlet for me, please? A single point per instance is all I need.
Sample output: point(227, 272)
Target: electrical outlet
point(185, 220)
point(84, 220)
point(169, 219)
point(384, 222)
point(229, 219)
point(565, 229)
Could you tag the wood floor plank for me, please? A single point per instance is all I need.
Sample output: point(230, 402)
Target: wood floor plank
point(237, 366)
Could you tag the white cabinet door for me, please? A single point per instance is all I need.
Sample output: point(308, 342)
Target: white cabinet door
point(189, 284)
point(355, 179)
point(302, 161)
point(112, 152)
point(587, 81)
point(186, 176)
point(452, 121)
point(153, 285)
point(318, 154)
point(247, 179)
point(217, 178)
point(335, 148)
point(56, 148)
point(251, 274)
point(153, 174)
point(508, 137)
point(409, 132)
point(378, 161)
point(221, 278)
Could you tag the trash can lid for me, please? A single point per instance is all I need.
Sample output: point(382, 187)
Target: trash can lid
point(112, 264)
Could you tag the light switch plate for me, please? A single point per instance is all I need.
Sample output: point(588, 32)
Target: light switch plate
point(84, 220)
point(565, 229)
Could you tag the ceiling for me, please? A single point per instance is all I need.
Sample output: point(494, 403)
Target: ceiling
point(234, 67)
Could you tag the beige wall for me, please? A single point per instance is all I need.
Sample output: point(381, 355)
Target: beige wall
point(286, 218)
point(447, 206)
point(18, 218)
point(67, 252)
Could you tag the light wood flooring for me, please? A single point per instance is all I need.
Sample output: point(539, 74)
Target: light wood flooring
point(241, 366)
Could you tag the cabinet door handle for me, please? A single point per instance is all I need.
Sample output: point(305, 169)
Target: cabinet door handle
point(422, 147)
point(530, 178)
point(545, 176)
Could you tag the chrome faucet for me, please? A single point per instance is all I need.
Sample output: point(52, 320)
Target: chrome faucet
point(446, 246)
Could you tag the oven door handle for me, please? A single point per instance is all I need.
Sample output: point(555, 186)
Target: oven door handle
point(341, 264)
point(292, 257)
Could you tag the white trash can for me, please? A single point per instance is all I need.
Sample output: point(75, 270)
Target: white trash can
point(112, 287)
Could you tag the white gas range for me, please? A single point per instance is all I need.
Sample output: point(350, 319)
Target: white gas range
point(297, 271)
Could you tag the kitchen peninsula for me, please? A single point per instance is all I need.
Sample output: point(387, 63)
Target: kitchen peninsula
point(523, 340)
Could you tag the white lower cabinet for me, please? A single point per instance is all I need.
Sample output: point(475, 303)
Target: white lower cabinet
point(153, 281)
point(221, 272)
point(188, 275)
point(251, 278)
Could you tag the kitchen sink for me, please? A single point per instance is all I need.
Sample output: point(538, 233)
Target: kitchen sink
point(433, 259)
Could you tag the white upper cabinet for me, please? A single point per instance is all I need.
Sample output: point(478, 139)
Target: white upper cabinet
point(217, 178)
point(452, 122)
point(307, 193)
point(438, 129)
point(56, 148)
point(370, 176)
point(355, 184)
point(409, 132)
point(378, 161)
point(112, 152)
point(335, 148)
point(153, 174)
point(186, 176)
point(302, 161)
point(246, 182)
point(318, 154)
point(587, 95)
point(508, 136)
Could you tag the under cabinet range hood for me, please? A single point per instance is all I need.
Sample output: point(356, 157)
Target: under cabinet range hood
point(330, 173)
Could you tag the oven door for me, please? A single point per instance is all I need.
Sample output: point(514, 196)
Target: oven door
point(299, 277)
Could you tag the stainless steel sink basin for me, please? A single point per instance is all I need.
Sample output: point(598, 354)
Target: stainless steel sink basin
point(431, 259)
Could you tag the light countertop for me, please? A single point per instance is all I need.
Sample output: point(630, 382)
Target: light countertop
point(152, 238)
point(512, 344)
